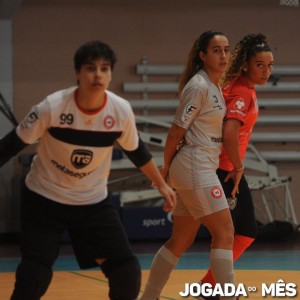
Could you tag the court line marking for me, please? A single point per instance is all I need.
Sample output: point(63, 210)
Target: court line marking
point(105, 281)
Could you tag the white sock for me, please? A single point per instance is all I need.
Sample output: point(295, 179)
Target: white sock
point(162, 265)
point(221, 262)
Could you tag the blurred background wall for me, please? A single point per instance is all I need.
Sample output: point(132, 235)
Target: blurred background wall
point(38, 40)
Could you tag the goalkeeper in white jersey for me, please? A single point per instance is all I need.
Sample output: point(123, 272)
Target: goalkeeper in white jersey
point(66, 187)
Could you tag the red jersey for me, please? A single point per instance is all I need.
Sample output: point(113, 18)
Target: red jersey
point(241, 103)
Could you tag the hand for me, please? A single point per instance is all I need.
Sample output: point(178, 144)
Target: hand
point(180, 145)
point(236, 176)
point(164, 173)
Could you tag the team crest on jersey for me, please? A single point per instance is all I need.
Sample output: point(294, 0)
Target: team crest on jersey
point(240, 104)
point(81, 158)
point(216, 192)
point(189, 109)
point(109, 122)
point(30, 118)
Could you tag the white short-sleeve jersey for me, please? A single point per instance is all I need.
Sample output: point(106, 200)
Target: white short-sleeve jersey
point(201, 112)
point(74, 149)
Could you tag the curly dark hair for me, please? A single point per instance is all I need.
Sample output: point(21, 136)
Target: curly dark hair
point(241, 54)
point(194, 64)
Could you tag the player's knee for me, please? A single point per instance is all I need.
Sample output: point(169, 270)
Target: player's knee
point(32, 280)
point(226, 233)
point(124, 278)
point(225, 238)
point(179, 244)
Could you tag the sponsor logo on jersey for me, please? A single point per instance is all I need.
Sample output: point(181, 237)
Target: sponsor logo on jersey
point(69, 172)
point(109, 122)
point(216, 192)
point(240, 104)
point(216, 139)
point(234, 111)
point(218, 107)
point(81, 158)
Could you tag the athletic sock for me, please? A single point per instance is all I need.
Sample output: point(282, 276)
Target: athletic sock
point(240, 244)
point(221, 262)
point(162, 265)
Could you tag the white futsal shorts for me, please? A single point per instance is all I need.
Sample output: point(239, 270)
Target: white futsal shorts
point(200, 202)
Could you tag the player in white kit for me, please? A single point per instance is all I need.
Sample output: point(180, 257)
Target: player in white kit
point(192, 170)
point(66, 187)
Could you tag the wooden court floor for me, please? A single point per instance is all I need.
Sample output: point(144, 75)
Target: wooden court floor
point(92, 285)
point(261, 264)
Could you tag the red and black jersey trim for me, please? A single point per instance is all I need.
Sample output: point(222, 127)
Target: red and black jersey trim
point(85, 138)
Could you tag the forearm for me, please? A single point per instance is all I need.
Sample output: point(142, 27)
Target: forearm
point(232, 147)
point(174, 137)
point(231, 143)
point(170, 152)
point(152, 172)
point(10, 145)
